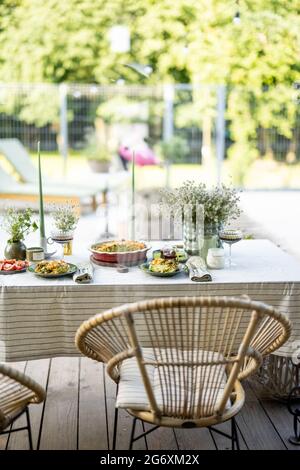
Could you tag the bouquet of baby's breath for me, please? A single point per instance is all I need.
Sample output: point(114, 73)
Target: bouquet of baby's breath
point(220, 202)
point(65, 218)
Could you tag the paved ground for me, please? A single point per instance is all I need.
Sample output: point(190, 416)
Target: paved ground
point(274, 215)
point(270, 214)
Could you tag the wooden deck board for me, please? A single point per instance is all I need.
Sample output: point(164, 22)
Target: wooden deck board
point(79, 410)
point(92, 414)
point(257, 426)
point(59, 428)
point(162, 438)
point(194, 439)
point(222, 442)
point(39, 371)
point(278, 415)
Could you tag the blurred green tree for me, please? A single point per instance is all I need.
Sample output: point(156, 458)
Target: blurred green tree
point(183, 41)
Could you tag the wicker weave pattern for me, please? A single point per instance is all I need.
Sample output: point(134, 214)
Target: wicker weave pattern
point(183, 384)
point(16, 392)
point(183, 333)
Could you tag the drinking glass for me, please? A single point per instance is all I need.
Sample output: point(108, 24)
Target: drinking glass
point(230, 237)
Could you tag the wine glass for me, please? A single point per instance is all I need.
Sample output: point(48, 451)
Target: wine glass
point(230, 237)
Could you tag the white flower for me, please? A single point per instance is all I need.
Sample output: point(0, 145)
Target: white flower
point(220, 203)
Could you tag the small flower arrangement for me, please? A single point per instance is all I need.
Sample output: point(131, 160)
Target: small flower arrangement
point(220, 202)
point(18, 224)
point(65, 218)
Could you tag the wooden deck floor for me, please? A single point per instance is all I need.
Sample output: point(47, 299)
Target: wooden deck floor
point(78, 414)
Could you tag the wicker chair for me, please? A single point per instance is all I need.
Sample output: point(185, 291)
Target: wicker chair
point(178, 362)
point(17, 391)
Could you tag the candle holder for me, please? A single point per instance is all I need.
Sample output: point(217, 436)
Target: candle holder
point(106, 234)
point(65, 239)
point(44, 243)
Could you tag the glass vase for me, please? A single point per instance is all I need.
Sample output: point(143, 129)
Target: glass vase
point(210, 239)
point(193, 229)
point(190, 238)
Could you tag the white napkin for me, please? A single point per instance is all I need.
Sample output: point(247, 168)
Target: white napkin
point(197, 269)
point(84, 273)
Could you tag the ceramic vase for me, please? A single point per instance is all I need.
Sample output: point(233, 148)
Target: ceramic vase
point(15, 250)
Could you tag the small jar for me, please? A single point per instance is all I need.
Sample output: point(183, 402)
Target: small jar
point(35, 254)
point(216, 258)
point(168, 253)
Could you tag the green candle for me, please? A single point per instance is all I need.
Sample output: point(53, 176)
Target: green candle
point(133, 197)
point(133, 178)
point(41, 206)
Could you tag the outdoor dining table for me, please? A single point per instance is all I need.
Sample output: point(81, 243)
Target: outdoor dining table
point(39, 317)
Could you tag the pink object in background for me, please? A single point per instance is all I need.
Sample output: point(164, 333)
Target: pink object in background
point(143, 156)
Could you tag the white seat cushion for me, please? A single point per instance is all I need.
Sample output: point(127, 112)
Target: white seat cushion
point(192, 391)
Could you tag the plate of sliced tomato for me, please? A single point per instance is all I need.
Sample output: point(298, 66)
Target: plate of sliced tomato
point(13, 266)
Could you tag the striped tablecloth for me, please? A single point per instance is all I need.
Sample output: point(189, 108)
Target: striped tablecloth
point(39, 317)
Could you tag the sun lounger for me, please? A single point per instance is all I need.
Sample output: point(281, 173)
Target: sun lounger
point(17, 155)
point(12, 190)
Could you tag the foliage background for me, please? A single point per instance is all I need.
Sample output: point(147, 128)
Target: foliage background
point(185, 41)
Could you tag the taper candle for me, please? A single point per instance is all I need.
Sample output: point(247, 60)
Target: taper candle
point(41, 201)
point(133, 196)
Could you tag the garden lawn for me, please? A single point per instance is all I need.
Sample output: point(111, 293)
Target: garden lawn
point(263, 174)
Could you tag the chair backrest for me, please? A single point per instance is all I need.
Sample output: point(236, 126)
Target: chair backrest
point(19, 158)
point(193, 342)
point(16, 391)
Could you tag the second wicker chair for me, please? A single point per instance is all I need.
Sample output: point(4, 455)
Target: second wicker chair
point(17, 391)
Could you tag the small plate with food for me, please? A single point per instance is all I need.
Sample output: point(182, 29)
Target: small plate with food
point(51, 269)
point(13, 266)
point(162, 267)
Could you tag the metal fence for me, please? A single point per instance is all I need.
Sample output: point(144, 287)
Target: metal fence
point(62, 116)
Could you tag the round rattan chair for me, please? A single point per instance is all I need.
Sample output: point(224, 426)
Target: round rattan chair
point(178, 362)
point(17, 391)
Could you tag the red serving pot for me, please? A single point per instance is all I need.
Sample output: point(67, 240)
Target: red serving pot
point(121, 257)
